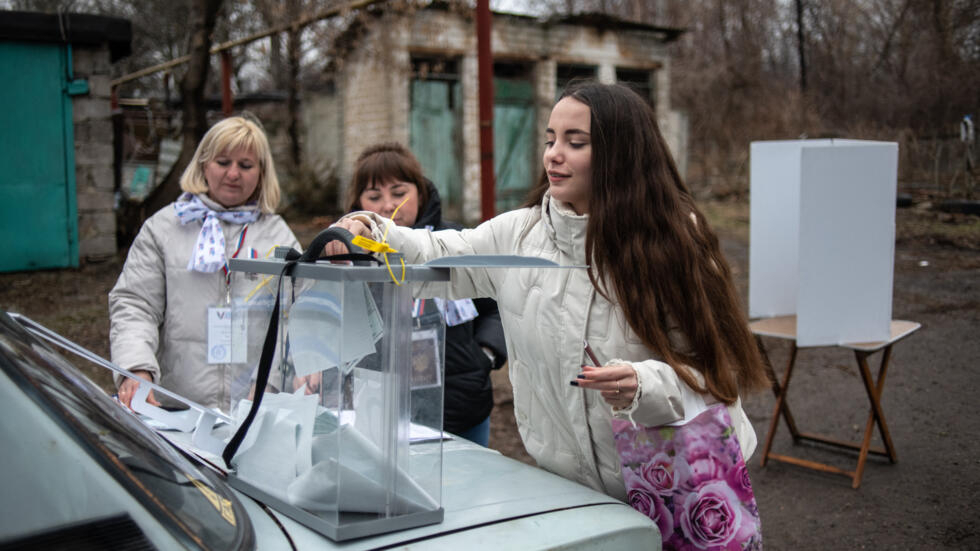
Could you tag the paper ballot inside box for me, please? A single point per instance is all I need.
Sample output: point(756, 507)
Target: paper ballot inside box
point(322, 313)
point(303, 455)
point(353, 475)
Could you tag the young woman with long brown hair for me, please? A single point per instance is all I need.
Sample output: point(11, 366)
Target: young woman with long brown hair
point(657, 303)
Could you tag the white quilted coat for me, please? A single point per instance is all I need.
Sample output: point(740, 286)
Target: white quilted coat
point(158, 308)
point(547, 313)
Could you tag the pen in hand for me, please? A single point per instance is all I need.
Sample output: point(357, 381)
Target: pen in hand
point(600, 382)
point(592, 357)
point(591, 354)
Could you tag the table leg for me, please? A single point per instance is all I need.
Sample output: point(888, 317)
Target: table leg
point(774, 381)
point(874, 389)
point(781, 409)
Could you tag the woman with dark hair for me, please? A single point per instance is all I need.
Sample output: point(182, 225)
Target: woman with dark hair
point(388, 181)
point(657, 303)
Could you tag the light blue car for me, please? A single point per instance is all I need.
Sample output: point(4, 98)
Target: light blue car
point(81, 472)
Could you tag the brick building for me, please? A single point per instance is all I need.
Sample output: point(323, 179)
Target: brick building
point(412, 77)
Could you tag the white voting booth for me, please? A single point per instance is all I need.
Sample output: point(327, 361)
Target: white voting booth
point(823, 237)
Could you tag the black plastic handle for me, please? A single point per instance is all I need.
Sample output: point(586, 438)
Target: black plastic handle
point(333, 233)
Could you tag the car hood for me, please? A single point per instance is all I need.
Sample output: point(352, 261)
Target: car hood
point(480, 487)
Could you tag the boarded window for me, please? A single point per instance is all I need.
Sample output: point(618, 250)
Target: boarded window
point(641, 81)
point(566, 73)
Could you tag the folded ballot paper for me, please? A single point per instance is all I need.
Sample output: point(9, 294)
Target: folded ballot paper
point(352, 479)
point(332, 324)
point(304, 455)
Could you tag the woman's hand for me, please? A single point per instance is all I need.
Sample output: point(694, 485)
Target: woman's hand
point(352, 225)
point(616, 383)
point(309, 383)
point(127, 389)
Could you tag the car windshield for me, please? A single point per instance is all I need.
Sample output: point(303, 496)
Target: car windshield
point(193, 503)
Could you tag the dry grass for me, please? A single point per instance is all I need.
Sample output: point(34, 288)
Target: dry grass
point(921, 225)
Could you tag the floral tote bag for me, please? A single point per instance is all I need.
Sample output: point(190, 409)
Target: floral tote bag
point(690, 478)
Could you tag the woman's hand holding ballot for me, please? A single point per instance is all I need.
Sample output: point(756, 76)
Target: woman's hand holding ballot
point(127, 389)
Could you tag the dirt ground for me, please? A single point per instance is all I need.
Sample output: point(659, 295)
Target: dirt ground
point(927, 500)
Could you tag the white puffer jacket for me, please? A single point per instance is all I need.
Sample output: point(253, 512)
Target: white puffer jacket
point(158, 308)
point(547, 313)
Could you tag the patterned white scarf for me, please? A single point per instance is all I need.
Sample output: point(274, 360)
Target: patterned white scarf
point(209, 251)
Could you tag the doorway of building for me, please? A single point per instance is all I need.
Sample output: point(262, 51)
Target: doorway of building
point(38, 220)
point(435, 128)
point(513, 134)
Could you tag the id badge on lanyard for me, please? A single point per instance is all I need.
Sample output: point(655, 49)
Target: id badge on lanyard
point(227, 334)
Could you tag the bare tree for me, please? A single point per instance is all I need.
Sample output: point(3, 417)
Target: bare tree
point(204, 15)
point(800, 44)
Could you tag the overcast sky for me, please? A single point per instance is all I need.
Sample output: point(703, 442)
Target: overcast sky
point(510, 6)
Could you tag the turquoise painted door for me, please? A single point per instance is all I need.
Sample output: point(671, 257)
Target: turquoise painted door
point(38, 222)
point(513, 141)
point(434, 138)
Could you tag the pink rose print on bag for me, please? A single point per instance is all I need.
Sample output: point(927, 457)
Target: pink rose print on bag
point(661, 474)
point(652, 506)
point(692, 481)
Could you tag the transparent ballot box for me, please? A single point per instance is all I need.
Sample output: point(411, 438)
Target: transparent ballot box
point(347, 435)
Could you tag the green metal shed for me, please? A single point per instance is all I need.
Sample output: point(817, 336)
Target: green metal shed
point(38, 211)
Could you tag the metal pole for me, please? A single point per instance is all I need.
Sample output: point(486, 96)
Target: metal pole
point(485, 72)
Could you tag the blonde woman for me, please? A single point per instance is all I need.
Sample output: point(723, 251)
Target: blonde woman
point(175, 278)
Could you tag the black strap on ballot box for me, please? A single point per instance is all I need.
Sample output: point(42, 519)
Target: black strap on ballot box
point(293, 258)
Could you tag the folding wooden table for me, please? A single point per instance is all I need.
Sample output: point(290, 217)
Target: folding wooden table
point(784, 327)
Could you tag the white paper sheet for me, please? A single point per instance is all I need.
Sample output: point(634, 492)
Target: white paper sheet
point(330, 326)
point(277, 446)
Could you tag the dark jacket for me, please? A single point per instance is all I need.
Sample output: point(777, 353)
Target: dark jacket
point(468, 391)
